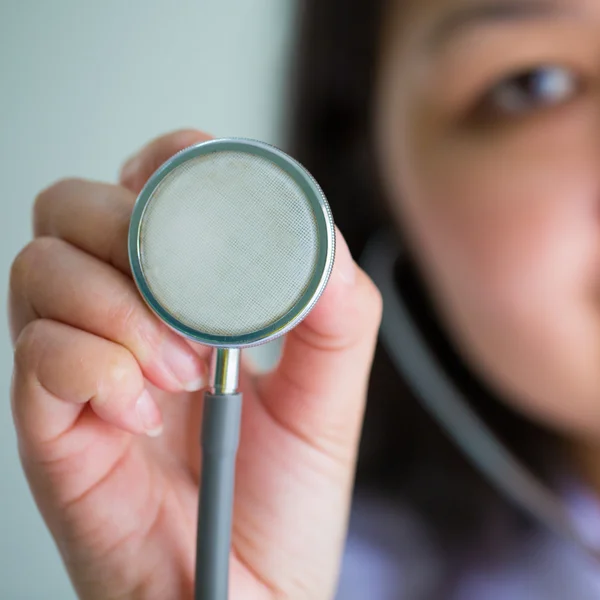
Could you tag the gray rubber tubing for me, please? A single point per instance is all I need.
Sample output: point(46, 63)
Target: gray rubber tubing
point(220, 437)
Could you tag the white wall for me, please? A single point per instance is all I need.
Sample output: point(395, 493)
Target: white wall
point(82, 85)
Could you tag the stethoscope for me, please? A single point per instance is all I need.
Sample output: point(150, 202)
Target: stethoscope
point(231, 244)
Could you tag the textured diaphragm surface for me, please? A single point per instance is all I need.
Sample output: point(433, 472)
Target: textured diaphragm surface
point(229, 243)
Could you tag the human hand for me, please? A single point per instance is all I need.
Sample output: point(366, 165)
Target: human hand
point(95, 370)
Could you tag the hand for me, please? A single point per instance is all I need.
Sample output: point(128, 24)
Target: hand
point(95, 370)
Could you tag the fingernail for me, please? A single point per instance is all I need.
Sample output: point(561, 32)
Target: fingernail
point(130, 168)
point(184, 366)
point(344, 263)
point(149, 415)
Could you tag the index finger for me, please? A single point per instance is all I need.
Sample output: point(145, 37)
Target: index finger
point(138, 169)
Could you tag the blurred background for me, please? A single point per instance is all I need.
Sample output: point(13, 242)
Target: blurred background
point(82, 86)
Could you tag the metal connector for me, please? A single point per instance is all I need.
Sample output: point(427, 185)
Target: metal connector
point(225, 371)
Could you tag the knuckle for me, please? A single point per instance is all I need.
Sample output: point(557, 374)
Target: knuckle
point(372, 303)
point(122, 373)
point(187, 136)
point(20, 268)
point(26, 260)
point(29, 343)
point(123, 313)
point(45, 201)
point(174, 142)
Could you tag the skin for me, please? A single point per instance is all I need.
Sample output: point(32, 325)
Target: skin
point(121, 505)
point(501, 207)
point(502, 212)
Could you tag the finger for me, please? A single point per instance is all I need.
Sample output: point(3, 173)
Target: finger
point(318, 390)
point(60, 370)
point(90, 215)
point(54, 280)
point(93, 217)
point(138, 169)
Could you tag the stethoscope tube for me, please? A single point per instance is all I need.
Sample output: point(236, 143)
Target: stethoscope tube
point(220, 438)
point(445, 403)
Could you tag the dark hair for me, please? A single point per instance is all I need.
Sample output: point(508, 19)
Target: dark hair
point(403, 452)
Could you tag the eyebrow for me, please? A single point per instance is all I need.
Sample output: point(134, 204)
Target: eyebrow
point(490, 12)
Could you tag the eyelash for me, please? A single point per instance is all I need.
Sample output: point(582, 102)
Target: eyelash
point(511, 97)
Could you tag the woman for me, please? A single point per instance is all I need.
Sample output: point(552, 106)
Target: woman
point(472, 128)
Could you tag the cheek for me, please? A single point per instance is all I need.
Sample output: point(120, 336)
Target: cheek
point(509, 242)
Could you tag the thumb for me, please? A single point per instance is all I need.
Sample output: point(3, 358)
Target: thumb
point(318, 390)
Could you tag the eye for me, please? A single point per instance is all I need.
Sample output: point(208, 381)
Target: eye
point(531, 90)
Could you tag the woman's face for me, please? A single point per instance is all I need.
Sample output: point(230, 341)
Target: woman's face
point(489, 136)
